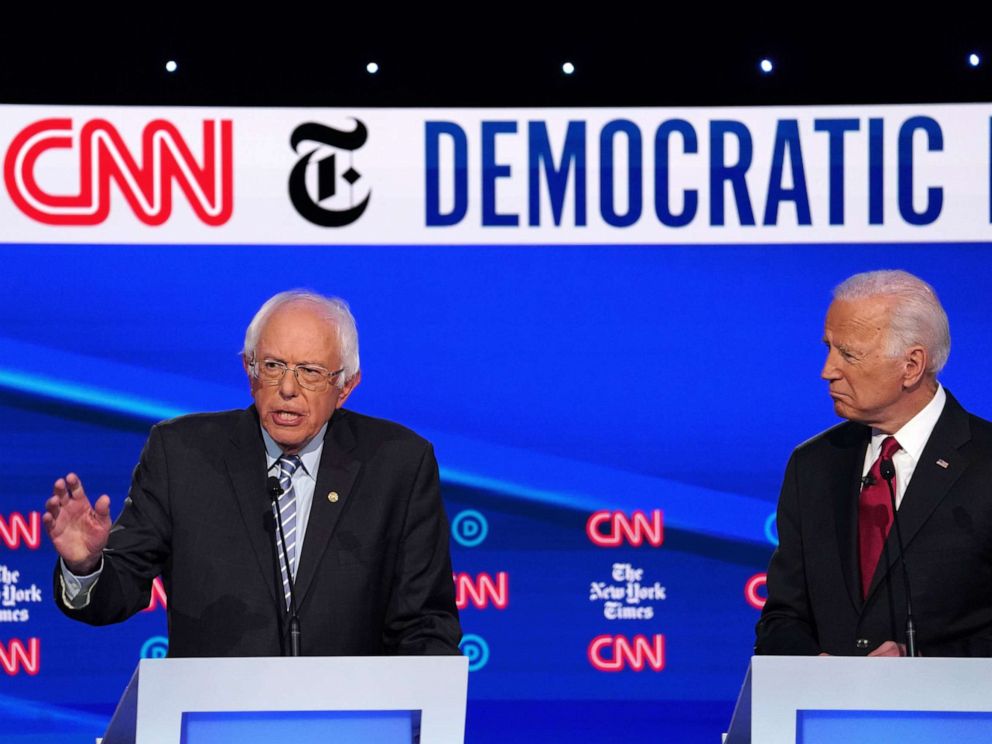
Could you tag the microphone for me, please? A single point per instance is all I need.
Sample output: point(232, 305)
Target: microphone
point(888, 472)
point(275, 491)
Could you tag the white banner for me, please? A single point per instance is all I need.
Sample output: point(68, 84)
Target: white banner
point(428, 176)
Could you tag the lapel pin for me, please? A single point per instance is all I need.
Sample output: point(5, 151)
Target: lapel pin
point(333, 495)
point(943, 464)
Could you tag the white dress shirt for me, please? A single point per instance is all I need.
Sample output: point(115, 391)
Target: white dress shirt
point(304, 481)
point(912, 438)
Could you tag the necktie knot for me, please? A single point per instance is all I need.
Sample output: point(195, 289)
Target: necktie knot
point(889, 447)
point(287, 466)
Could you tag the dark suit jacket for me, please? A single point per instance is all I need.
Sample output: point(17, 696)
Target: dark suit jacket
point(814, 590)
point(374, 576)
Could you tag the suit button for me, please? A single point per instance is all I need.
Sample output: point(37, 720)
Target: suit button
point(862, 643)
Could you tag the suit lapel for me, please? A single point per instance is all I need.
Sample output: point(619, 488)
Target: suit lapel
point(245, 461)
point(846, 480)
point(931, 482)
point(336, 474)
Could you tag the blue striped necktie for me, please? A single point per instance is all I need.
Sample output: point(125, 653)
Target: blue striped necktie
point(287, 509)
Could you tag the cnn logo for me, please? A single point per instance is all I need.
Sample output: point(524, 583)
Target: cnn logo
point(166, 164)
point(158, 597)
point(482, 590)
point(15, 657)
point(17, 528)
point(609, 653)
point(611, 529)
point(751, 590)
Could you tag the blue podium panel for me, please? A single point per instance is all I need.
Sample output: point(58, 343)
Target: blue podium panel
point(858, 700)
point(905, 726)
point(342, 699)
point(302, 727)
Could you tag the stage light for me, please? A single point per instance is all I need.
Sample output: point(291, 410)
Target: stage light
point(171, 66)
point(765, 65)
point(568, 68)
point(372, 68)
point(974, 60)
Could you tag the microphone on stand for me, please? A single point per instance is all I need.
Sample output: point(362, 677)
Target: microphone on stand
point(888, 472)
point(275, 491)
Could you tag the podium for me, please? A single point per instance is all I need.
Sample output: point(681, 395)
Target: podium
point(855, 700)
point(303, 700)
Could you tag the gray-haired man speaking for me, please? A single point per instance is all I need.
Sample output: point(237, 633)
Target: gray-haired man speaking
point(366, 534)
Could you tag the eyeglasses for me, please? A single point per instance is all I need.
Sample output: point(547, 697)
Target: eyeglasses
point(308, 376)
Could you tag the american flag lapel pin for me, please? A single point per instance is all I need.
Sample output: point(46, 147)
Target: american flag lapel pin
point(943, 463)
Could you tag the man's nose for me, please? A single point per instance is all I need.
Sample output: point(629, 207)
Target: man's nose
point(289, 387)
point(829, 371)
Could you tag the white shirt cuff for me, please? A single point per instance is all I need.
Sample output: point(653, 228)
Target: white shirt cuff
point(76, 589)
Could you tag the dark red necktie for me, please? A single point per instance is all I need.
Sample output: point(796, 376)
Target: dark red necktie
point(874, 515)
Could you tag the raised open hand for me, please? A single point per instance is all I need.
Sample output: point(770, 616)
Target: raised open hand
point(78, 530)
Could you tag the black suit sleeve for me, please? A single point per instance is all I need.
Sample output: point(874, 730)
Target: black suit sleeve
point(138, 548)
point(786, 626)
point(421, 616)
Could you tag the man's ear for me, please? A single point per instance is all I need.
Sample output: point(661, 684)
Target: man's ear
point(349, 386)
point(915, 365)
point(246, 362)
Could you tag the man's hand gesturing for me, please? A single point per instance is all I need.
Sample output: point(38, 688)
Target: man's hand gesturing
point(79, 530)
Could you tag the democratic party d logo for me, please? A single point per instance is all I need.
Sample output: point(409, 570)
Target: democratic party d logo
point(317, 193)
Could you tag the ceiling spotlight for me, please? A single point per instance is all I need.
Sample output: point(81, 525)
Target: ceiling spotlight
point(171, 66)
point(765, 65)
point(372, 68)
point(974, 60)
point(568, 68)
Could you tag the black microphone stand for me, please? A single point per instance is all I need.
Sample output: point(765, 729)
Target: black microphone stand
point(275, 491)
point(888, 472)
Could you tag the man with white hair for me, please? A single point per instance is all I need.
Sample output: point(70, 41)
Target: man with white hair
point(835, 582)
point(366, 539)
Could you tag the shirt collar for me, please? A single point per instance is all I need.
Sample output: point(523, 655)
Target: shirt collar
point(309, 455)
point(913, 436)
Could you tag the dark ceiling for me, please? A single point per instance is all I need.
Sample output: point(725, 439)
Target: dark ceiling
point(625, 55)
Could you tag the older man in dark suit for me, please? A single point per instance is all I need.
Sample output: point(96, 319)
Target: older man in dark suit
point(835, 583)
point(365, 531)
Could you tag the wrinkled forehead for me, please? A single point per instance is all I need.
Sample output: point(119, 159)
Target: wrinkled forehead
point(862, 319)
point(299, 328)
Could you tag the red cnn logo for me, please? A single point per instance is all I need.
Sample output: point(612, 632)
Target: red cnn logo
point(614, 653)
point(482, 590)
point(15, 528)
point(158, 598)
point(610, 529)
point(103, 157)
point(14, 657)
point(751, 588)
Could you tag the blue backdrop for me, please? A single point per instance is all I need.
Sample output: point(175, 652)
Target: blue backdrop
point(554, 380)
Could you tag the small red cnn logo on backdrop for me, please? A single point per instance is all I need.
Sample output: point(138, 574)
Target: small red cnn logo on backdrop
point(16, 528)
point(16, 658)
point(158, 598)
point(611, 529)
point(482, 590)
point(147, 184)
point(609, 653)
point(751, 588)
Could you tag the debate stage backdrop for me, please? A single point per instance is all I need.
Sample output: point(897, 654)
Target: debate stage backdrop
point(608, 321)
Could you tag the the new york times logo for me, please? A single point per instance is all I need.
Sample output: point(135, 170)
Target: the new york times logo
point(317, 193)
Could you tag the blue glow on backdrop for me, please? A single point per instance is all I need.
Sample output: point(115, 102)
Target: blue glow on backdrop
point(554, 381)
